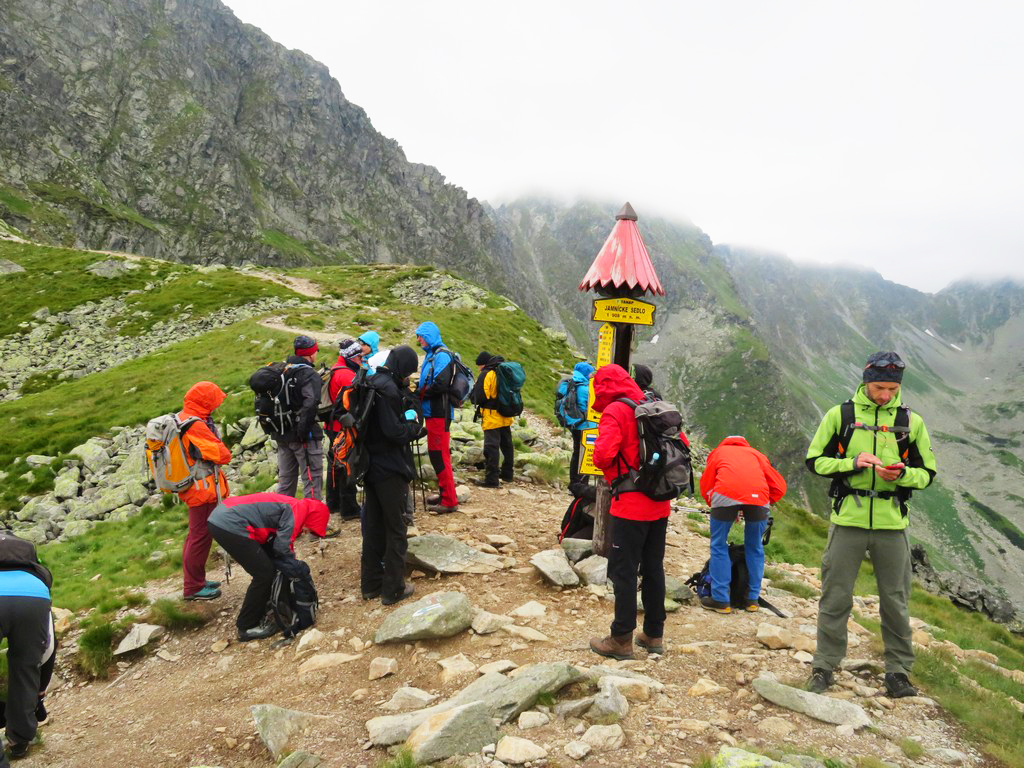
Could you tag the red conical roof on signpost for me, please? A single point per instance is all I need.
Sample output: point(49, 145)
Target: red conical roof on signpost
point(623, 259)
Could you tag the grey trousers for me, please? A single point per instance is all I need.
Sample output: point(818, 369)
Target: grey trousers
point(25, 622)
point(305, 459)
point(840, 563)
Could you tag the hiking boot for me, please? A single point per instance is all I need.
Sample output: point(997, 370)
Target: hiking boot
point(258, 632)
point(508, 478)
point(820, 680)
point(372, 595)
point(486, 483)
point(406, 592)
point(441, 509)
point(434, 498)
point(650, 644)
point(212, 584)
point(752, 605)
point(17, 751)
point(206, 593)
point(349, 518)
point(898, 685)
point(713, 605)
point(614, 646)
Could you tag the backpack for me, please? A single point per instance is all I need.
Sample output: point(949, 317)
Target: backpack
point(511, 378)
point(462, 379)
point(17, 554)
point(293, 603)
point(739, 580)
point(278, 398)
point(567, 404)
point(173, 466)
point(578, 522)
point(349, 458)
point(840, 488)
point(665, 471)
point(325, 412)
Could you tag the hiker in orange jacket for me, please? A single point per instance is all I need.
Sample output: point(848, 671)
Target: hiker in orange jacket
point(738, 479)
point(203, 444)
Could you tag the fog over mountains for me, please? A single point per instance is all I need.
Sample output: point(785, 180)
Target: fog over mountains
point(175, 131)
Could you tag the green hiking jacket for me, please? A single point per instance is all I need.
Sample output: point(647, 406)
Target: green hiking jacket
point(867, 512)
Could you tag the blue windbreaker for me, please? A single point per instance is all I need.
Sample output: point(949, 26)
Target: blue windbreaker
point(436, 374)
point(581, 374)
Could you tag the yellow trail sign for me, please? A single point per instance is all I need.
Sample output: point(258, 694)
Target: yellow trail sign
point(587, 439)
point(632, 311)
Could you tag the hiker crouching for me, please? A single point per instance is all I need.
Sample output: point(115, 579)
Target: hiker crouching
point(738, 479)
point(300, 451)
point(877, 451)
point(201, 439)
point(640, 523)
point(259, 531)
point(393, 423)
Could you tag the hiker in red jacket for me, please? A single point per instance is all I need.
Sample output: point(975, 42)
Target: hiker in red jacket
point(738, 479)
point(202, 496)
point(639, 522)
point(350, 357)
point(259, 531)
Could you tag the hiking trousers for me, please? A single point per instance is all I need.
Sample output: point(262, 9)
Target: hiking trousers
point(382, 562)
point(498, 440)
point(197, 547)
point(721, 564)
point(304, 458)
point(25, 622)
point(574, 462)
point(257, 563)
point(638, 545)
point(840, 563)
point(340, 501)
point(439, 441)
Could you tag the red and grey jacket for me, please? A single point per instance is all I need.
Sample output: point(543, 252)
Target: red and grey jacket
point(272, 517)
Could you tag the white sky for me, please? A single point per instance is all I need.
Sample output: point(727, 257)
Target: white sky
point(884, 134)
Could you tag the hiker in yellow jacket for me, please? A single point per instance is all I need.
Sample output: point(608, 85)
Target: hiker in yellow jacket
point(497, 428)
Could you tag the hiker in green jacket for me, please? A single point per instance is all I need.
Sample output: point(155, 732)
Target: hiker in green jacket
point(876, 451)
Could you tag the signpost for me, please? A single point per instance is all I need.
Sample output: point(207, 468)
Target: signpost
point(587, 439)
point(621, 273)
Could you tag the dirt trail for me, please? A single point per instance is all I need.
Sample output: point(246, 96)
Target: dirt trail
point(195, 710)
point(300, 285)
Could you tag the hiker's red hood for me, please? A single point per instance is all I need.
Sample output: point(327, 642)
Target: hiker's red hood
point(203, 399)
point(735, 440)
point(612, 382)
point(311, 515)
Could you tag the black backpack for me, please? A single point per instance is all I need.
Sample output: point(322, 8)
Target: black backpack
point(349, 457)
point(278, 398)
point(578, 522)
point(293, 603)
point(665, 471)
point(17, 554)
point(510, 378)
point(739, 582)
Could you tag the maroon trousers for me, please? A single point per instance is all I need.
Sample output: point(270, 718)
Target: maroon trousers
point(197, 547)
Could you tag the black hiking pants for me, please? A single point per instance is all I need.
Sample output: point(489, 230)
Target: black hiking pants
point(382, 563)
point(340, 501)
point(574, 462)
point(25, 622)
point(257, 563)
point(498, 440)
point(638, 546)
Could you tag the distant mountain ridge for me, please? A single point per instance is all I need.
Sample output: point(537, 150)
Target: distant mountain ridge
point(173, 130)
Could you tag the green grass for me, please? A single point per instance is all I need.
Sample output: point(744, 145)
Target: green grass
point(96, 649)
point(401, 759)
point(911, 748)
point(782, 580)
point(174, 615)
point(56, 278)
point(70, 197)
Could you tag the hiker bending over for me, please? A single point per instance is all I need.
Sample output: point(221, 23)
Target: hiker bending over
point(640, 523)
point(27, 625)
point(572, 397)
point(738, 480)
point(202, 440)
point(259, 531)
point(435, 380)
point(300, 451)
point(497, 428)
point(392, 425)
point(342, 501)
point(877, 451)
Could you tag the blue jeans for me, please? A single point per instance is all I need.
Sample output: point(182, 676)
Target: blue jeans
point(721, 566)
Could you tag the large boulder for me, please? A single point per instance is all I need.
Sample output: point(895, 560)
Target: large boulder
point(277, 726)
point(554, 566)
point(41, 509)
point(458, 731)
point(254, 436)
point(443, 554)
point(442, 614)
point(93, 454)
point(577, 549)
point(67, 484)
point(835, 711)
point(593, 570)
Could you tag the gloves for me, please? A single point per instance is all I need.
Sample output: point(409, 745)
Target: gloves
point(410, 415)
point(422, 433)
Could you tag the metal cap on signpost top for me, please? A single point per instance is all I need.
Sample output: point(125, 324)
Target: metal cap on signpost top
point(621, 273)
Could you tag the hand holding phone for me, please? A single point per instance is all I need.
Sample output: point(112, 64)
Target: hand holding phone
point(898, 465)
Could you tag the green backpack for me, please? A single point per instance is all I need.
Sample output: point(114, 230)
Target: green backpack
point(511, 377)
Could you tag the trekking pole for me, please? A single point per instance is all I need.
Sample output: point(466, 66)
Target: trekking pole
point(419, 479)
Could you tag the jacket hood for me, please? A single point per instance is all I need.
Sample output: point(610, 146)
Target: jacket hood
point(402, 361)
point(734, 440)
point(431, 334)
point(582, 371)
point(612, 382)
point(203, 399)
point(311, 515)
point(372, 340)
point(861, 398)
point(643, 376)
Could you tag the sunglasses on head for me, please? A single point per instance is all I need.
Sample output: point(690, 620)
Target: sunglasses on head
point(887, 362)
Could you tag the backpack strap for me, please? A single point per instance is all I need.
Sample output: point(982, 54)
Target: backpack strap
point(624, 483)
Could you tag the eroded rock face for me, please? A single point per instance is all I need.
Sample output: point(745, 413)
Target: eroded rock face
point(961, 589)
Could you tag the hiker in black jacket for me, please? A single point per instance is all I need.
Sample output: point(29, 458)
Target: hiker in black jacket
point(394, 422)
point(301, 451)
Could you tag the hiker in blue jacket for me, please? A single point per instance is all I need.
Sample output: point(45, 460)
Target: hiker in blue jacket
point(575, 415)
point(370, 342)
point(435, 381)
